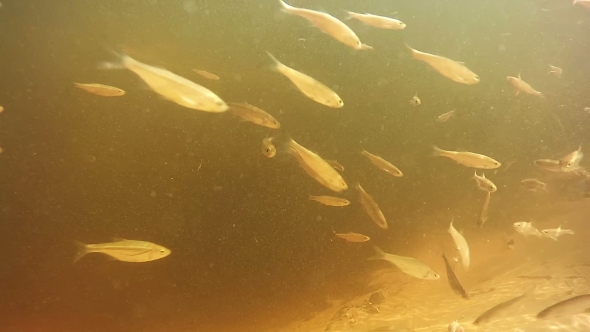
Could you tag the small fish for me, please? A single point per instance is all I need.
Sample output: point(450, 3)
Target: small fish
point(371, 208)
point(254, 114)
point(453, 70)
point(572, 160)
point(124, 250)
point(522, 86)
point(268, 149)
point(526, 229)
point(415, 101)
point(353, 237)
point(455, 327)
point(309, 86)
point(170, 86)
point(330, 200)
point(336, 165)
point(483, 216)
point(549, 165)
point(556, 71)
point(382, 164)
point(444, 117)
point(327, 23)
point(408, 265)
point(556, 232)
point(101, 89)
point(533, 185)
point(453, 280)
point(499, 310)
point(376, 21)
point(484, 183)
point(583, 3)
point(572, 306)
point(206, 74)
point(469, 159)
point(461, 245)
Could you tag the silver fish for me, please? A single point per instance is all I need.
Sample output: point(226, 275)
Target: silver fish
point(453, 280)
point(483, 217)
point(268, 148)
point(451, 69)
point(498, 310)
point(407, 265)
point(254, 114)
point(377, 21)
point(484, 184)
point(371, 207)
point(382, 164)
point(469, 159)
point(556, 232)
point(522, 86)
point(461, 245)
point(124, 250)
point(526, 229)
point(572, 306)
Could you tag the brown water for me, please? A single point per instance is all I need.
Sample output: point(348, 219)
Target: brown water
point(250, 252)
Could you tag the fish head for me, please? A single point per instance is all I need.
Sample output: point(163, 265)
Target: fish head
point(268, 149)
point(545, 232)
point(468, 78)
point(340, 184)
point(271, 123)
point(401, 25)
point(491, 187)
point(432, 275)
point(335, 102)
point(356, 43)
point(159, 252)
point(519, 226)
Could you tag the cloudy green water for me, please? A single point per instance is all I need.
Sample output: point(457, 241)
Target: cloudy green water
point(249, 251)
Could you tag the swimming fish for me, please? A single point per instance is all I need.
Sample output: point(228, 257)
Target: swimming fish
point(327, 23)
point(309, 86)
point(101, 89)
point(353, 237)
point(453, 280)
point(415, 101)
point(461, 245)
point(522, 86)
point(526, 229)
point(444, 117)
point(124, 250)
point(376, 21)
point(317, 168)
point(206, 74)
point(408, 265)
point(484, 183)
point(268, 149)
point(533, 185)
point(382, 164)
point(171, 86)
point(254, 114)
point(572, 306)
point(499, 310)
point(336, 165)
point(483, 216)
point(549, 165)
point(556, 71)
point(371, 207)
point(455, 327)
point(330, 200)
point(453, 70)
point(556, 232)
point(469, 159)
point(583, 3)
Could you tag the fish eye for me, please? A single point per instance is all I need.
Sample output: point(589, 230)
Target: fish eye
point(476, 78)
point(340, 102)
point(162, 251)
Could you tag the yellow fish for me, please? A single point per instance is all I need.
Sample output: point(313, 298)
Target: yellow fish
point(206, 74)
point(101, 89)
point(330, 200)
point(451, 69)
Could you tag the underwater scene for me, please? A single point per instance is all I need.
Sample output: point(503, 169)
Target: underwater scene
point(295, 165)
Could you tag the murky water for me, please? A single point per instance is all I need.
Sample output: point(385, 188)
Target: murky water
point(250, 251)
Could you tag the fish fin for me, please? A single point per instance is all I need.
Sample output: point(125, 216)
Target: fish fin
point(349, 15)
point(366, 47)
point(517, 92)
point(379, 254)
point(117, 64)
point(285, 7)
point(437, 152)
point(276, 63)
point(413, 51)
point(81, 251)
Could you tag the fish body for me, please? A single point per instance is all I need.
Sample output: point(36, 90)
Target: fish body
point(377, 21)
point(382, 164)
point(583, 3)
point(408, 265)
point(522, 86)
point(572, 306)
point(327, 23)
point(556, 232)
point(336, 165)
point(533, 185)
point(371, 208)
point(455, 327)
point(498, 310)
point(268, 148)
point(461, 245)
point(415, 101)
point(353, 237)
point(526, 229)
point(556, 71)
point(171, 86)
point(484, 183)
point(453, 280)
point(309, 86)
point(469, 159)
point(317, 168)
point(330, 200)
point(587, 109)
point(206, 74)
point(549, 165)
point(124, 250)
point(101, 89)
point(444, 117)
point(483, 217)
point(451, 69)
point(254, 114)
point(1, 108)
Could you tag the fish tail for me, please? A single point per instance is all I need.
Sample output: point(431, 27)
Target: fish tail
point(379, 254)
point(285, 7)
point(568, 231)
point(413, 51)
point(349, 15)
point(437, 152)
point(117, 64)
point(276, 63)
point(82, 250)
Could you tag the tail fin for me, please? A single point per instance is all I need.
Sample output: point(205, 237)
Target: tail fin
point(413, 51)
point(117, 64)
point(349, 15)
point(285, 7)
point(437, 152)
point(379, 254)
point(276, 63)
point(81, 250)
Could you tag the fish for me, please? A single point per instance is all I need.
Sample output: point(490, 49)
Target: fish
point(556, 71)
point(268, 148)
point(336, 165)
point(415, 101)
point(484, 184)
point(353, 237)
point(549, 165)
point(453, 280)
point(309, 86)
point(533, 185)
point(556, 232)
point(461, 245)
point(571, 306)
point(207, 75)
point(408, 265)
point(1, 108)
point(522, 86)
point(483, 217)
point(382, 164)
point(572, 160)
point(317, 168)
point(468, 159)
point(583, 3)
point(254, 114)
point(587, 109)
point(101, 89)
point(499, 310)
point(124, 250)
point(455, 327)
point(330, 200)
point(170, 86)
point(377, 21)
point(526, 229)
point(444, 117)
point(451, 69)
point(371, 207)
point(327, 23)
